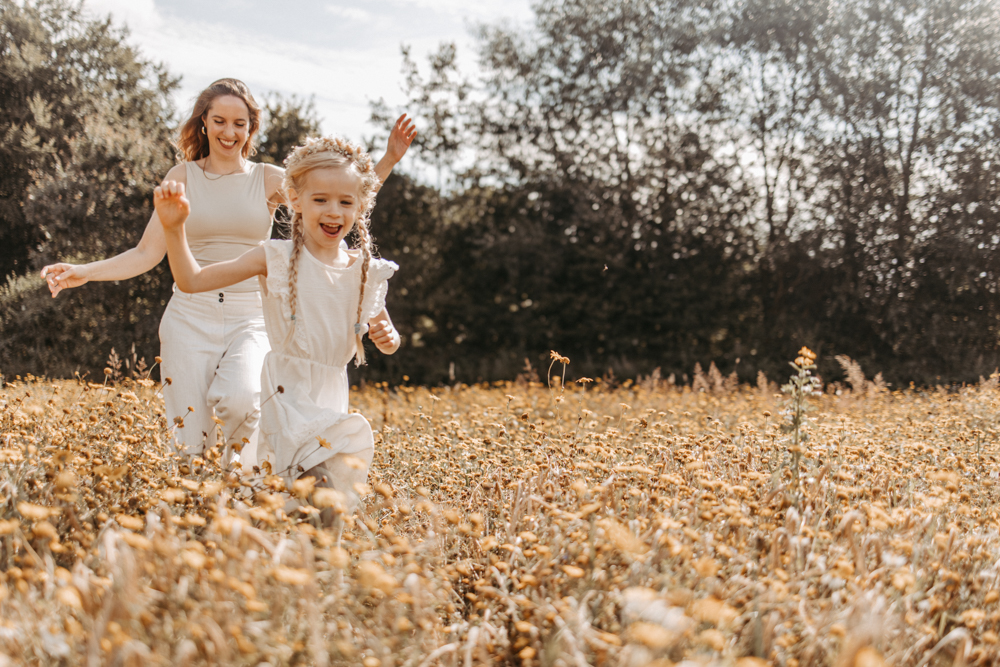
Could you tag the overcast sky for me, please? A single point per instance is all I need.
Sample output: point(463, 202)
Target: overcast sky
point(342, 53)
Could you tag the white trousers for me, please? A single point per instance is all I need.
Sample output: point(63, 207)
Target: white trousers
point(213, 346)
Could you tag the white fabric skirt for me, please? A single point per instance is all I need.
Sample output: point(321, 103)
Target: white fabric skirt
point(307, 423)
point(213, 346)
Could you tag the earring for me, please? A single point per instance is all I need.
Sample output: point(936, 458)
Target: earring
point(203, 130)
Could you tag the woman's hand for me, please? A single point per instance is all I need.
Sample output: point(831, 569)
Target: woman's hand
point(402, 135)
point(62, 276)
point(384, 335)
point(132, 262)
point(172, 206)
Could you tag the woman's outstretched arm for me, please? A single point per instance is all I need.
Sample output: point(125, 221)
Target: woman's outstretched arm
point(143, 257)
point(173, 208)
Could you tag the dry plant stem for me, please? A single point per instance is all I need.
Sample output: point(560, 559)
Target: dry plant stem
point(801, 385)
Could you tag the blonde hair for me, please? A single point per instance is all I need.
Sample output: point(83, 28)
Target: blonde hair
point(192, 144)
point(327, 153)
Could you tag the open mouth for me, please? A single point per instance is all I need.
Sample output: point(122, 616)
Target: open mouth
point(331, 229)
point(227, 144)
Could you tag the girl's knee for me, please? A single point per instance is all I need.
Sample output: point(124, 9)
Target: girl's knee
point(325, 479)
point(239, 405)
point(342, 479)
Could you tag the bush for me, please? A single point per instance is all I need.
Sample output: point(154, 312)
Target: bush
point(76, 332)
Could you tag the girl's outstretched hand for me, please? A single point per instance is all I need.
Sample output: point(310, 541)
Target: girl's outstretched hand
point(384, 335)
point(402, 135)
point(62, 276)
point(172, 207)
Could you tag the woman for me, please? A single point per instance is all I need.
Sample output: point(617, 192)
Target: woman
point(213, 344)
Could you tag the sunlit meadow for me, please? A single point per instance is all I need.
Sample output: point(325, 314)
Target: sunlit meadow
point(524, 523)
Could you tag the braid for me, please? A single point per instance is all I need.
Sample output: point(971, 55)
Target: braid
point(323, 153)
point(298, 240)
point(366, 258)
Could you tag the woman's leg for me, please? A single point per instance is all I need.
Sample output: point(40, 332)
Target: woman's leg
point(191, 346)
point(234, 391)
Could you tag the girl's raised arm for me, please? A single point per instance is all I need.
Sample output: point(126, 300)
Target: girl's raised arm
point(143, 257)
point(402, 135)
point(173, 208)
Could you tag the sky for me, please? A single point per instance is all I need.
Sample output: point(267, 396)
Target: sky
point(344, 54)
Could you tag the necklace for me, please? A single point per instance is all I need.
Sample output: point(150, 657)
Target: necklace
point(238, 169)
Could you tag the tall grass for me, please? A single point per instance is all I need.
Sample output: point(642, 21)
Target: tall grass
point(514, 524)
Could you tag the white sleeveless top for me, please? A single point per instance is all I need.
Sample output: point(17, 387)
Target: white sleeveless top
point(229, 215)
point(327, 308)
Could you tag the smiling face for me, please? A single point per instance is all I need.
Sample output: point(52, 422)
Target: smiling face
point(330, 203)
point(227, 124)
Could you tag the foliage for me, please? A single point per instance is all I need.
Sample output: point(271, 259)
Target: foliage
point(285, 125)
point(872, 127)
point(86, 132)
point(644, 184)
point(754, 175)
point(85, 126)
point(441, 106)
point(76, 332)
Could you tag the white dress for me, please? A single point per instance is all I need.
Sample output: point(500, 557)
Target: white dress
point(308, 423)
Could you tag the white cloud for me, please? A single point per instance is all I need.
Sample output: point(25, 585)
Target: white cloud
point(141, 16)
point(340, 80)
point(479, 10)
point(349, 13)
point(345, 60)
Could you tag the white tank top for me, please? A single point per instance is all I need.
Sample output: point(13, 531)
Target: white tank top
point(229, 215)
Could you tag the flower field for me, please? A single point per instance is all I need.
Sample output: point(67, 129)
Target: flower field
point(519, 524)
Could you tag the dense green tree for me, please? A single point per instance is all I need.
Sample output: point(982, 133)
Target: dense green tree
point(885, 115)
point(287, 122)
point(599, 217)
point(748, 176)
point(85, 125)
point(635, 184)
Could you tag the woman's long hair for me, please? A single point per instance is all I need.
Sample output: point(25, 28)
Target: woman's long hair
point(192, 144)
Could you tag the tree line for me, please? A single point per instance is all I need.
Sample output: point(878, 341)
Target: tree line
point(636, 184)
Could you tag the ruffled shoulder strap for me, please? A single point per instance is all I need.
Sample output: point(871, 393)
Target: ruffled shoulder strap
point(278, 253)
point(376, 287)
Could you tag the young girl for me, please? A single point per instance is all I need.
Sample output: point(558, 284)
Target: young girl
point(319, 300)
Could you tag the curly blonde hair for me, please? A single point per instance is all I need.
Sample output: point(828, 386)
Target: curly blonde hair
point(326, 153)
